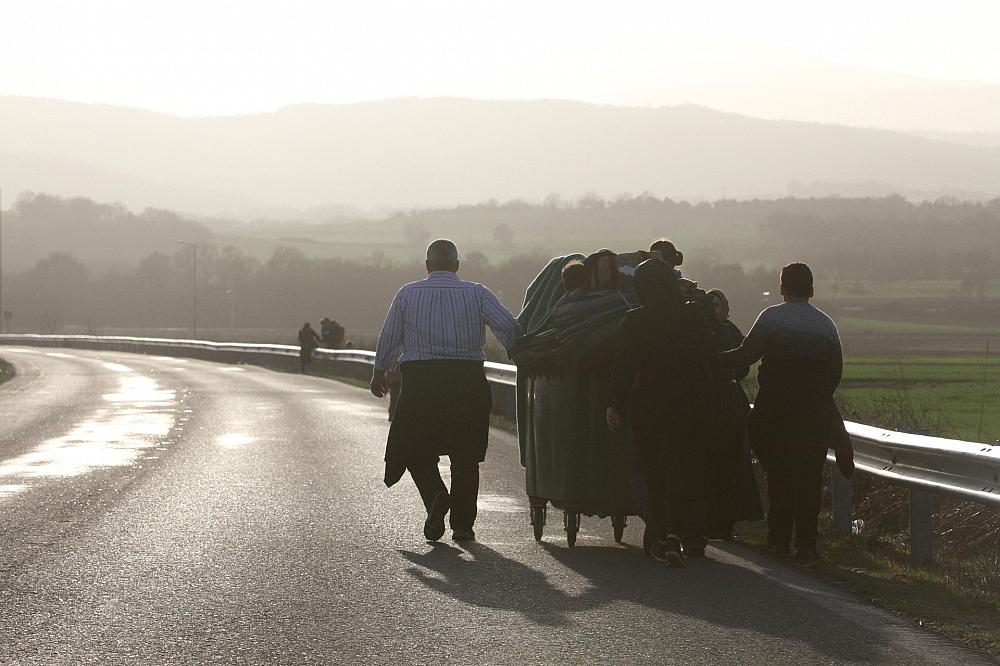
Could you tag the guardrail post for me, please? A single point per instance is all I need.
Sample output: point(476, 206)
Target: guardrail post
point(921, 530)
point(510, 407)
point(842, 500)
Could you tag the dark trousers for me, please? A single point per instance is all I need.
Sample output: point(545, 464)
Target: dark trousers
point(672, 514)
point(794, 488)
point(663, 508)
point(464, 486)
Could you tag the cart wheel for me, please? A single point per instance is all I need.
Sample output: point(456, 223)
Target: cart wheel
point(618, 522)
point(571, 521)
point(538, 521)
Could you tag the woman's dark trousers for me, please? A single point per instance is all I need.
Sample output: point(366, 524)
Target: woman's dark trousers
point(675, 507)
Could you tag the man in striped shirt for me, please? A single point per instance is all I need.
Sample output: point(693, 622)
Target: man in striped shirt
point(436, 329)
point(795, 419)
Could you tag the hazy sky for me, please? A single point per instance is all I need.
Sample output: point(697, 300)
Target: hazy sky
point(208, 57)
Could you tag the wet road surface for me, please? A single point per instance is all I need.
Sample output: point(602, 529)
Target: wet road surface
point(157, 510)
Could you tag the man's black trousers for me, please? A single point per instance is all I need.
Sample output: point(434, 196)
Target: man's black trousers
point(794, 488)
point(464, 486)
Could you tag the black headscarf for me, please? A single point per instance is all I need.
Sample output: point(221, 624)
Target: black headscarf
point(656, 284)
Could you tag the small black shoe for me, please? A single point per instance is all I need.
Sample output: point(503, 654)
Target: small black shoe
point(434, 525)
point(463, 535)
point(694, 552)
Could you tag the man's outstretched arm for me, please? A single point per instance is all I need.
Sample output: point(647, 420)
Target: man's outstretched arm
point(752, 347)
point(500, 320)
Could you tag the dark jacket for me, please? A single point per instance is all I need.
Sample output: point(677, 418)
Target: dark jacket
point(666, 378)
point(740, 497)
point(308, 338)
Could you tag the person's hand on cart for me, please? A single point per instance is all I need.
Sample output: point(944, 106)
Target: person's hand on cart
point(614, 419)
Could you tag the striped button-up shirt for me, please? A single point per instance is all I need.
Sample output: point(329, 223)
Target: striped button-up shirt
point(442, 317)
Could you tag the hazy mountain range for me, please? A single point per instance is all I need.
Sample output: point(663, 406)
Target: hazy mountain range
point(446, 151)
point(779, 83)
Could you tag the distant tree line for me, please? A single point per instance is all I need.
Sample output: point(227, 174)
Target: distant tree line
point(102, 274)
point(102, 235)
point(61, 293)
point(885, 238)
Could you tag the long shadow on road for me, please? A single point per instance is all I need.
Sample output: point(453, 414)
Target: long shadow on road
point(724, 595)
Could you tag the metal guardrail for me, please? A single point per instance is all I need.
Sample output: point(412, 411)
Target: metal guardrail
point(926, 465)
point(933, 464)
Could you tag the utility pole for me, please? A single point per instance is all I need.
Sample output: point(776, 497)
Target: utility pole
point(231, 293)
point(1, 261)
point(194, 288)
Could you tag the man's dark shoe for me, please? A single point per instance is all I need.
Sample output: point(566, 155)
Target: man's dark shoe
point(434, 525)
point(463, 535)
point(698, 551)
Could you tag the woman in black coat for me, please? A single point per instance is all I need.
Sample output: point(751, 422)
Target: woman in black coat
point(739, 498)
point(666, 380)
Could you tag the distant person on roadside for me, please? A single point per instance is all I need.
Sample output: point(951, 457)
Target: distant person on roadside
point(308, 342)
point(666, 379)
point(436, 328)
point(332, 333)
point(795, 419)
point(326, 332)
point(338, 335)
point(740, 497)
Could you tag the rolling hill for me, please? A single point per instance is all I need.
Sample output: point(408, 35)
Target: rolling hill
point(444, 151)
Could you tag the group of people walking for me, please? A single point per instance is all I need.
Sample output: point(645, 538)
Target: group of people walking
point(331, 336)
point(676, 374)
point(674, 385)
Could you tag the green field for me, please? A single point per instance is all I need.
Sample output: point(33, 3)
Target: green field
point(6, 371)
point(936, 394)
point(943, 395)
point(858, 325)
point(860, 290)
point(390, 238)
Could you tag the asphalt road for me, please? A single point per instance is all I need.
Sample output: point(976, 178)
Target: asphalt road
point(157, 510)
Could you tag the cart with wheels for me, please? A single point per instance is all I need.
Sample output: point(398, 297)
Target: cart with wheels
point(572, 461)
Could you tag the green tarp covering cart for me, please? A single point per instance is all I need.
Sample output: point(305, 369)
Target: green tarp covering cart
point(571, 460)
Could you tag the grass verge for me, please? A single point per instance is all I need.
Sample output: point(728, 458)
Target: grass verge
point(6, 371)
point(942, 596)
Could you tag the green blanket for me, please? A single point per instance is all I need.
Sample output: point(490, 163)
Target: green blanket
point(542, 294)
point(564, 332)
